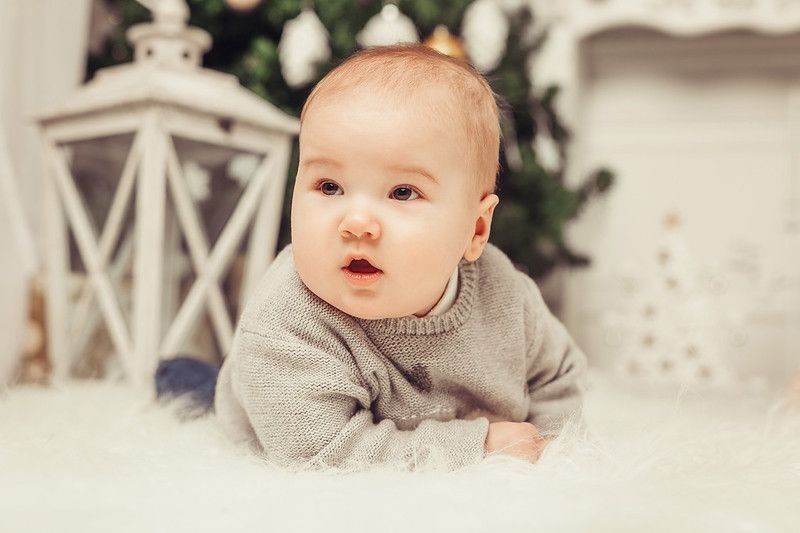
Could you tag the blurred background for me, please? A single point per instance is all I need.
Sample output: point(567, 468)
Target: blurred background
point(649, 165)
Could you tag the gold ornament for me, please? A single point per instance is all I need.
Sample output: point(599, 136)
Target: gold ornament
point(649, 340)
point(35, 367)
point(672, 220)
point(242, 5)
point(443, 41)
point(704, 373)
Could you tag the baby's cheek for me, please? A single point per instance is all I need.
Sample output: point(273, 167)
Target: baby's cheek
point(426, 261)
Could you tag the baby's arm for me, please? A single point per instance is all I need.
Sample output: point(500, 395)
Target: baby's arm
point(556, 367)
point(309, 409)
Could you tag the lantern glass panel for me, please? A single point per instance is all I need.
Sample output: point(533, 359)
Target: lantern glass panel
point(215, 178)
point(96, 167)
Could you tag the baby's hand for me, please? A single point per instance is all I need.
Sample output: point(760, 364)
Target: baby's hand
point(520, 439)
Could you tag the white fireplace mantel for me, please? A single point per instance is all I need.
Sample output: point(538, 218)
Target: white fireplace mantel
point(683, 17)
point(695, 106)
point(574, 21)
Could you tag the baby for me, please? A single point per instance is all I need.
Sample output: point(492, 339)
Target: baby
point(390, 331)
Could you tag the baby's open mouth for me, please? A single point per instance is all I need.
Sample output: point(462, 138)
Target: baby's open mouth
point(362, 266)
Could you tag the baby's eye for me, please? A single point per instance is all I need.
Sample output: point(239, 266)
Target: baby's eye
point(329, 188)
point(404, 194)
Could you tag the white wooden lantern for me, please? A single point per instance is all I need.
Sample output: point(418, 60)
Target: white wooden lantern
point(147, 122)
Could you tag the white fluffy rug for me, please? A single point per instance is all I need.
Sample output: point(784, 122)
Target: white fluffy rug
point(92, 456)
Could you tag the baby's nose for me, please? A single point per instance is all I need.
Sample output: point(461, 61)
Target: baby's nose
point(359, 224)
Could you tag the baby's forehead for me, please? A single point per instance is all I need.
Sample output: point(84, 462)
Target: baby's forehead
point(434, 104)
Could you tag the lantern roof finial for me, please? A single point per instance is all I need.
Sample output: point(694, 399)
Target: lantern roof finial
point(171, 14)
point(168, 40)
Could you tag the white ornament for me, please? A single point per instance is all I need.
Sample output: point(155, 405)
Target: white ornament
point(547, 154)
point(485, 31)
point(512, 6)
point(677, 332)
point(242, 5)
point(546, 13)
point(198, 181)
point(241, 167)
point(303, 45)
point(388, 27)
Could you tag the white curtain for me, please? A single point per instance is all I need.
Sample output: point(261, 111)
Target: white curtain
point(43, 47)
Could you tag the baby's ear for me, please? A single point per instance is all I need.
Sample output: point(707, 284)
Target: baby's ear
point(483, 225)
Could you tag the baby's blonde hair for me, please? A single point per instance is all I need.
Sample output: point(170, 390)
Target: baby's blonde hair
point(404, 69)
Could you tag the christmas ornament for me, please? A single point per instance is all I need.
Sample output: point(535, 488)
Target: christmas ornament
point(442, 41)
point(485, 31)
point(388, 27)
point(303, 45)
point(35, 367)
point(242, 5)
point(547, 154)
point(198, 181)
point(672, 220)
point(545, 14)
point(241, 167)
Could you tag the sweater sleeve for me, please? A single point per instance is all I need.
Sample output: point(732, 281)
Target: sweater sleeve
point(308, 409)
point(556, 368)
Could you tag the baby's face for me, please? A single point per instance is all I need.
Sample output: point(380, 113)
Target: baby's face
point(384, 205)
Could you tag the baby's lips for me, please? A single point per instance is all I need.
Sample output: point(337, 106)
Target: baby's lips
point(362, 266)
point(360, 263)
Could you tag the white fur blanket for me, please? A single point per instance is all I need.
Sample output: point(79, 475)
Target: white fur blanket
point(94, 456)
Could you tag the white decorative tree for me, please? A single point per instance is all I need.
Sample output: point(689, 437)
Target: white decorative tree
point(676, 329)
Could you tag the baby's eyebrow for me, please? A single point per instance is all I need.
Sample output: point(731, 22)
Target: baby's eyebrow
point(321, 161)
point(413, 170)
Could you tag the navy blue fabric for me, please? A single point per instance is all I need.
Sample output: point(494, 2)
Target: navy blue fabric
point(185, 375)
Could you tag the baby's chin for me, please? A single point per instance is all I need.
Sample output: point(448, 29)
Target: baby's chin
point(368, 312)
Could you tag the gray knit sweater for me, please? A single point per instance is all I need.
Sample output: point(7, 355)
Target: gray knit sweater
point(310, 386)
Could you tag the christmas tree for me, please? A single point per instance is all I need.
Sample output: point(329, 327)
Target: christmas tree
point(535, 203)
point(679, 334)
